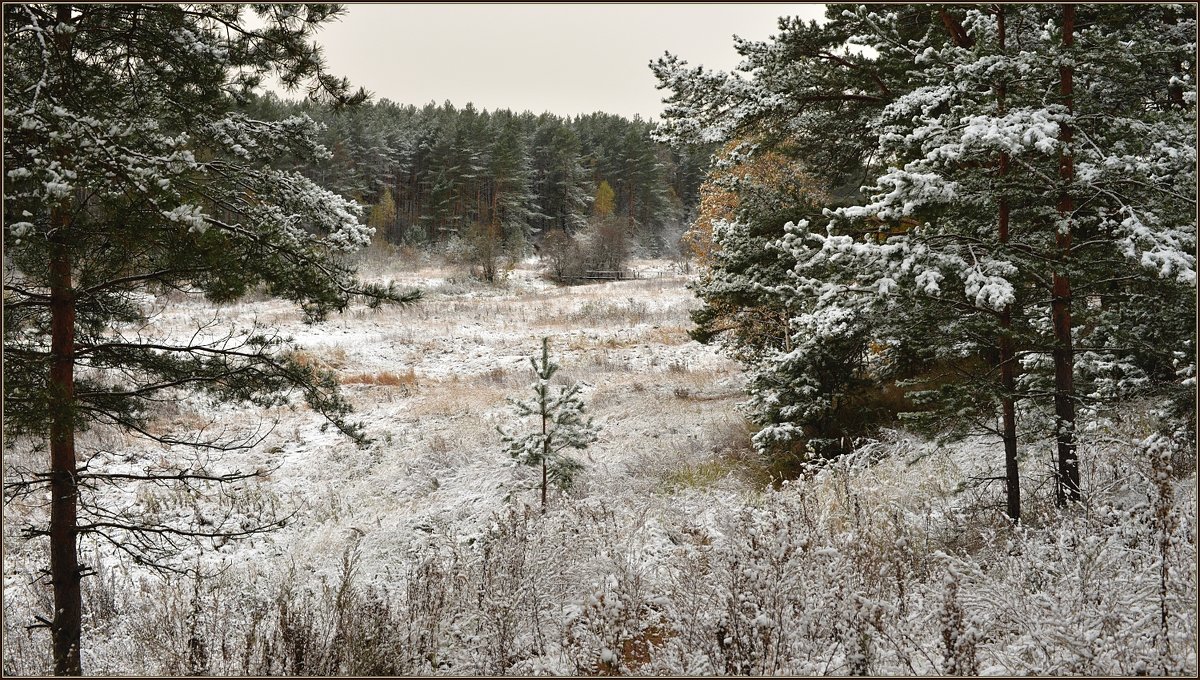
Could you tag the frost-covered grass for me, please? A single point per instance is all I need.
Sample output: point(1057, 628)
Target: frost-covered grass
point(673, 554)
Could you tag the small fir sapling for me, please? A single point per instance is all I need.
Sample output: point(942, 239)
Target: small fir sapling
point(563, 427)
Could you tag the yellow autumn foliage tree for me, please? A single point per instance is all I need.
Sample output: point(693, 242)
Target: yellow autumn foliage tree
point(719, 201)
point(382, 217)
point(605, 201)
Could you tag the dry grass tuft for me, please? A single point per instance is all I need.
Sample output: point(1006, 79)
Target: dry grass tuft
point(667, 335)
point(605, 362)
point(586, 342)
point(406, 379)
point(458, 398)
point(497, 376)
point(330, 359)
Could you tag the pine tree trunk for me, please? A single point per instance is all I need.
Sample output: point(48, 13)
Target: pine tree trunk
point(1060, 306)
point(1008, 407)
point(1008, 387)
point(955, 28)
point(545, 454)
point(66, 623)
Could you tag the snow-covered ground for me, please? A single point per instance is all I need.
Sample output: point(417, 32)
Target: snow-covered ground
point(425, 551)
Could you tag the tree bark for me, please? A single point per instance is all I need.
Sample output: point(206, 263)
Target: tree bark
point(545, 450)
point(66, 623)
point(1008, 386)
point(1060, 306)
point(1008, 407)
point(955, 28)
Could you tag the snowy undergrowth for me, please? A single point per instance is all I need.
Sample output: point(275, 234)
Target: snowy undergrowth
point(426, 553)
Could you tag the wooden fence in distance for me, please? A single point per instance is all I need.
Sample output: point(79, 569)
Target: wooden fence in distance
point(617, 275)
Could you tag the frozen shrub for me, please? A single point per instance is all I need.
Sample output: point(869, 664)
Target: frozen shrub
point(618, 625)
point(855, 570)
point(431, 595)
point(958, 636)
point(562, 257)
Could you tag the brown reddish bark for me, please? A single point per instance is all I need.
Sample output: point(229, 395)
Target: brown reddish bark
point(496, 203)
point(1060, 305)
point(957, 33)
point(1008, 381)
point(66, 622)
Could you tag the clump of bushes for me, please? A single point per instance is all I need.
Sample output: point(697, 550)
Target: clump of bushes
point(604, 245)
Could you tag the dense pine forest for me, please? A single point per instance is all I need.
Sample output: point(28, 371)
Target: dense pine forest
point(875, 355)
point(436, 172)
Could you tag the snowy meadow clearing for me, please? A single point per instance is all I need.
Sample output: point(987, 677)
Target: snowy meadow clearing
point(914, 393)
point(675, 552)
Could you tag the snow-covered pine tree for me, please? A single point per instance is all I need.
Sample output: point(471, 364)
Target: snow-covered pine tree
point(513, 203)
point(1133, 258)
point(559, 176)
point(948, 221)
point(971, 252)
point(502, 226)
point(806, 379)
point(1105, 146)
point(129, 171)
point(560, 416)
point(808, 374)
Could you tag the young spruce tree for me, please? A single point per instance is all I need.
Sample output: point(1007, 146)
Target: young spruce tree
point(560, 413)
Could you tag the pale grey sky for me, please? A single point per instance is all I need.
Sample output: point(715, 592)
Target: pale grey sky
point(563, 58)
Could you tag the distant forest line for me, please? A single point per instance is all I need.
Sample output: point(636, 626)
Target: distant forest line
point(429, 173)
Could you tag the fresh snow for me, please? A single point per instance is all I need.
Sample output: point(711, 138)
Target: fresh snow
point(668, 535)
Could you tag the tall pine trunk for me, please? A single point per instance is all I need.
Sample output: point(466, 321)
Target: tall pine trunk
point(1012, 471)
point(1008, 408)
point(1008, 386)
point(1060, 306)
point(1007, 354)
point(66, 623)
point(545, 442)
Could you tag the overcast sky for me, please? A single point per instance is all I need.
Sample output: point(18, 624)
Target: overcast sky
point(565, 59)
